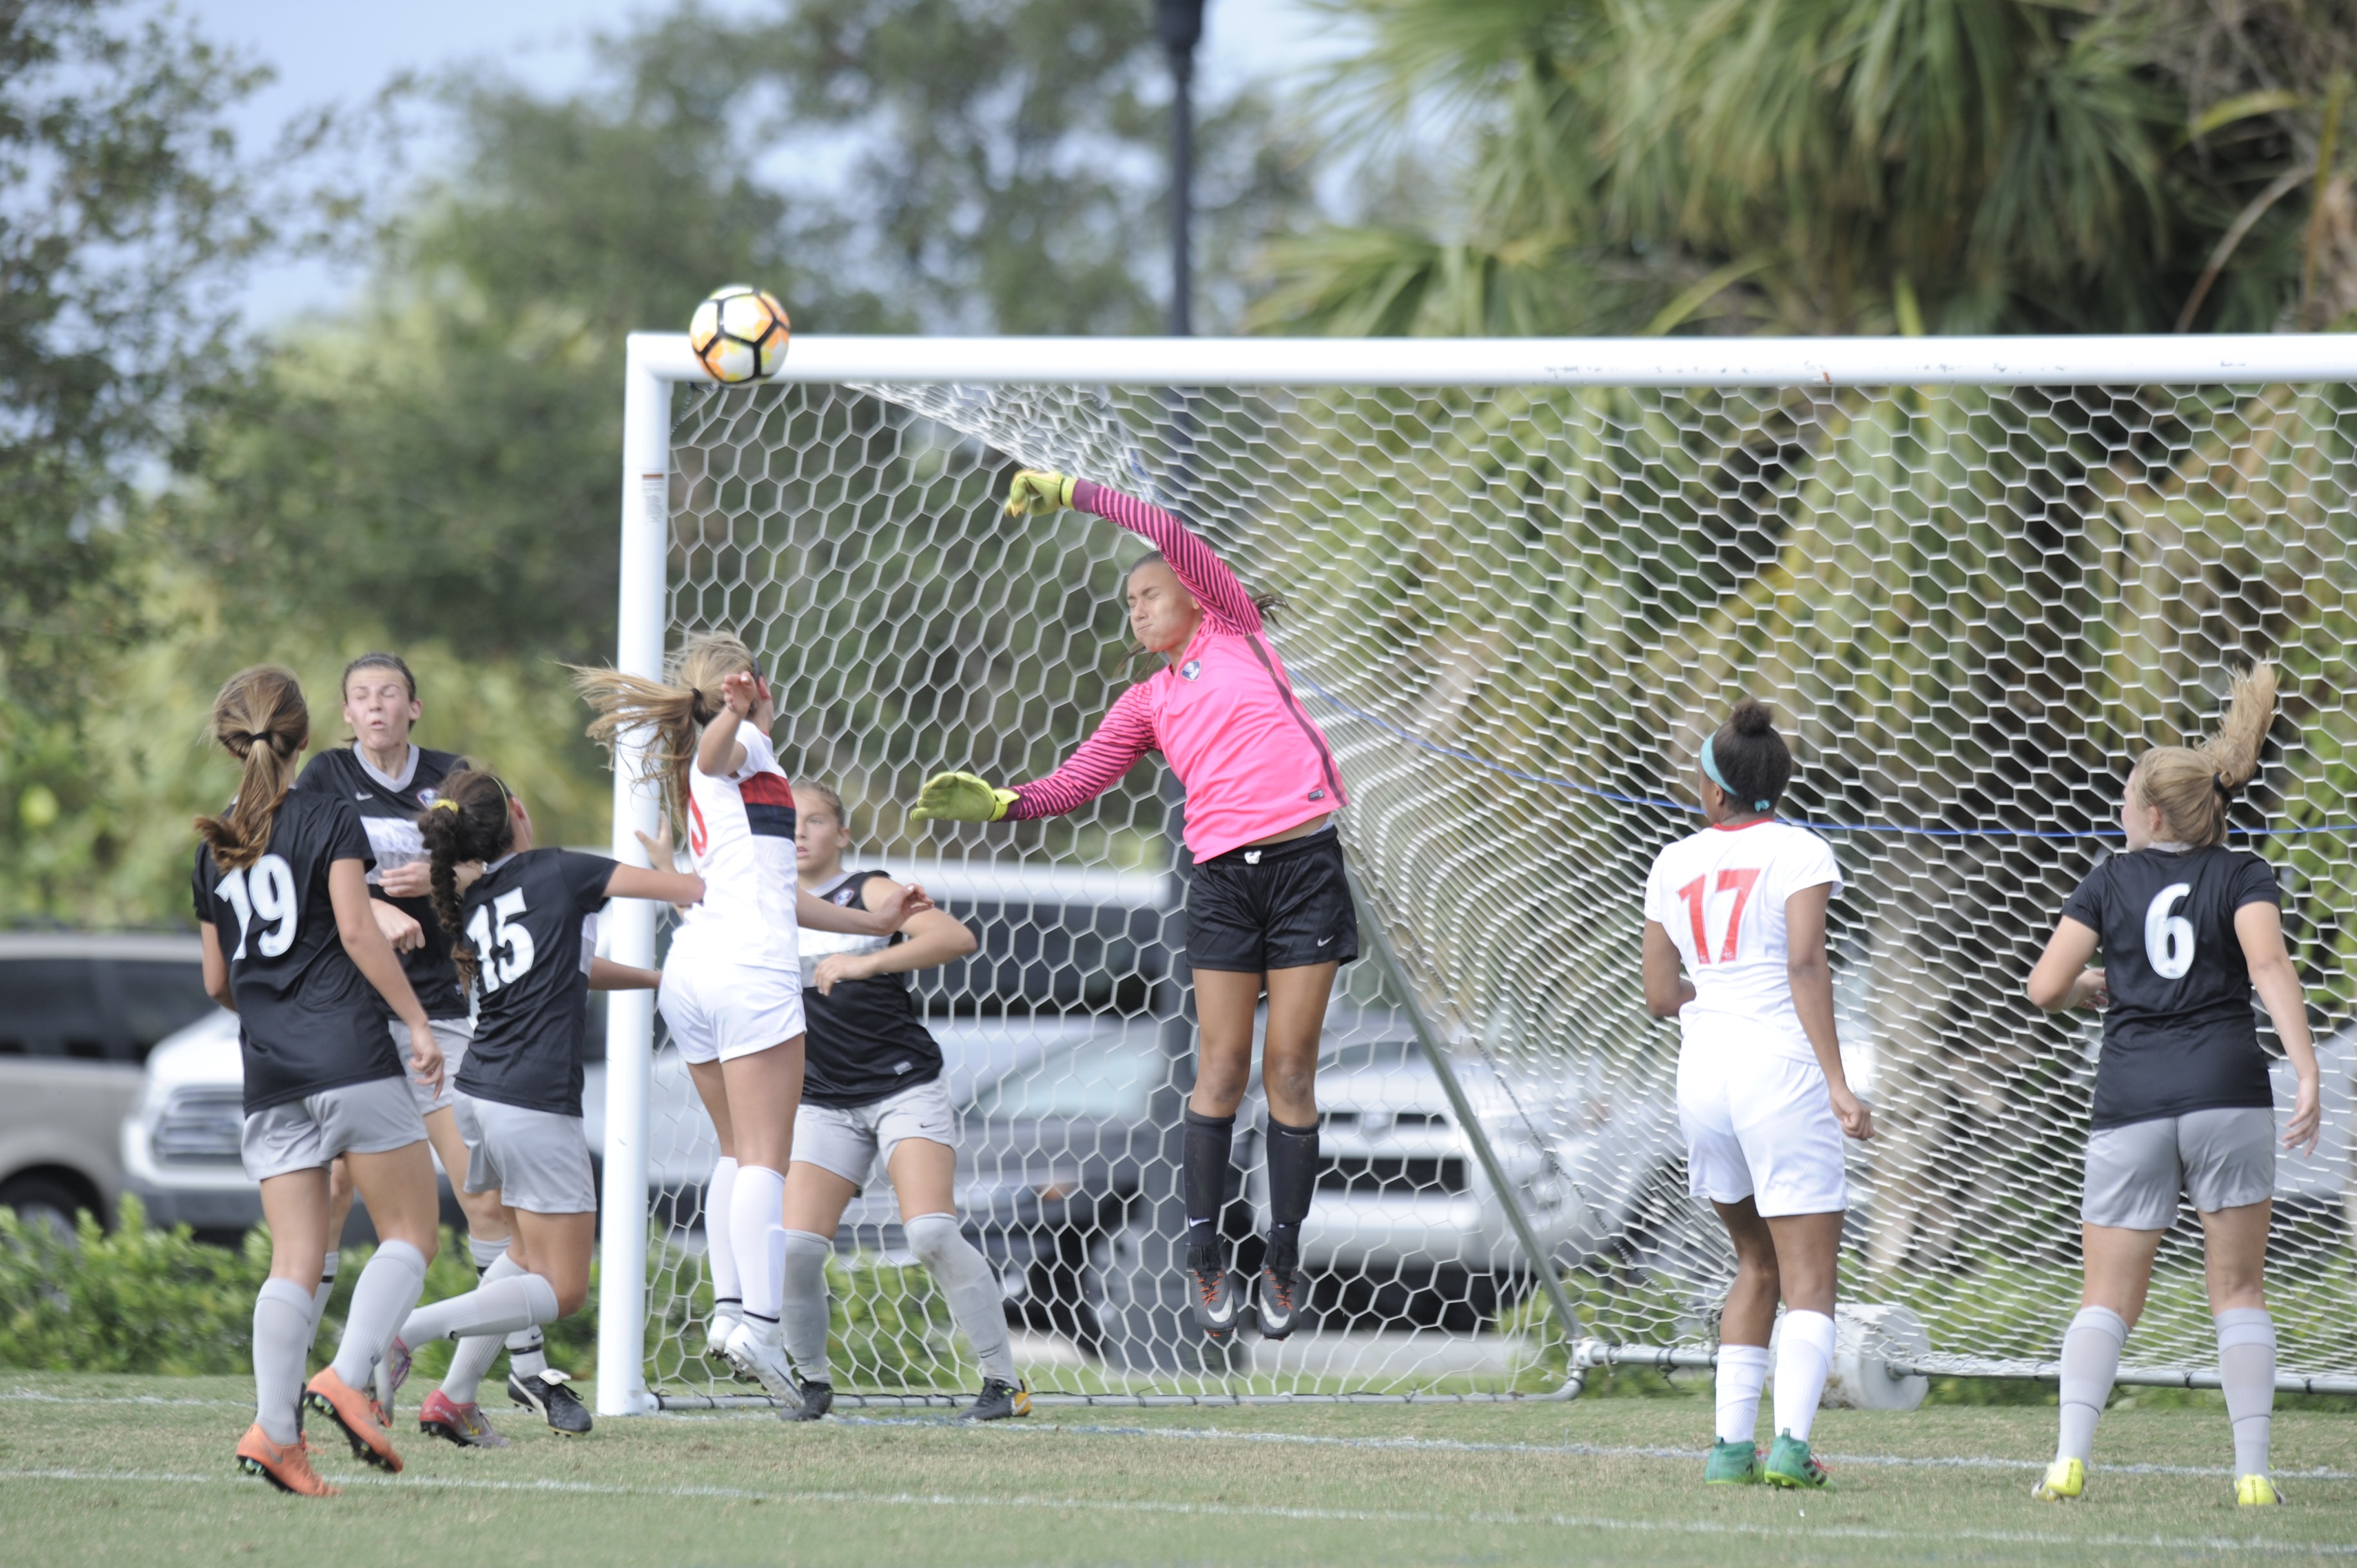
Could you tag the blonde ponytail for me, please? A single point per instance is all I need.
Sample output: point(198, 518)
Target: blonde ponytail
point(675, 709)
point(2193, 785)
point(260, 718)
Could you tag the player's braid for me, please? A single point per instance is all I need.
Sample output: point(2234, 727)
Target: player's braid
point(470, 822)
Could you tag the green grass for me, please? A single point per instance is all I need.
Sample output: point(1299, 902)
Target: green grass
point(1607, 1480)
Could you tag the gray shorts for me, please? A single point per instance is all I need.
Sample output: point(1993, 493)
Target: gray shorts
point(454, 1036)
point(847, 1138)
point(535, 1160)
point(2221, 1159)
point(307, 1134)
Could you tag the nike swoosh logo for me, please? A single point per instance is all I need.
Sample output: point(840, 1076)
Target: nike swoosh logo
point(1323, 941)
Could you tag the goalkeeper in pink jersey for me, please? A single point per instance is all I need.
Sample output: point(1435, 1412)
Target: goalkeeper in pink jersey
point(1270, 907)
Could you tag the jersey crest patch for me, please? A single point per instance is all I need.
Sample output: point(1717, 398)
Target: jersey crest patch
point(1191, 671)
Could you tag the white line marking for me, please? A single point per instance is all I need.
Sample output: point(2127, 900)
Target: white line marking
point(1246, 1510)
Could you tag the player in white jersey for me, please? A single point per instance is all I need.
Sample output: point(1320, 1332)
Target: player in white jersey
point(1761, 1098)
point(731, 992)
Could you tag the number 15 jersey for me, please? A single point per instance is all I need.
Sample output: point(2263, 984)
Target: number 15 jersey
point(2179, 1034)
point(1720, 895)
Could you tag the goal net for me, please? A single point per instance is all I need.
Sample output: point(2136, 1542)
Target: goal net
point(1522, 581)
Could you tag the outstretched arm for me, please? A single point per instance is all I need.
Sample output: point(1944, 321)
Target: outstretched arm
point(1127, 734)
point(1225, 603)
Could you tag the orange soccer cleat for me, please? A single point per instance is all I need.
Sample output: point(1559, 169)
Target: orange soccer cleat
point(356, 1413)
point(286, 1466)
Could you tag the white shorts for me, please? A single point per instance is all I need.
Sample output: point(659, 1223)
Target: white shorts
point(307, 1134)
point(846, 1139)
point(454, 1036)
point(1760, 1125)
point(535, 1160)
point(718, 1010)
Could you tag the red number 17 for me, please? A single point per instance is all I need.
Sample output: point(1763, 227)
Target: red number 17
point(1741, 882)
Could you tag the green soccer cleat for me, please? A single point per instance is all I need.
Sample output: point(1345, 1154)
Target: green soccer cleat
point(1732, 1465)
point(1789, 1465)
point(2066, 1482)
point(2255, 1492)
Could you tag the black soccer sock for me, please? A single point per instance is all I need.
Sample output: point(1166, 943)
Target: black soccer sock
point(1210, 1140)
point(1292, 1180)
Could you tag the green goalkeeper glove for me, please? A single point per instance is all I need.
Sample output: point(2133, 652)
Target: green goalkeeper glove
point(963, 797)
point(1036, 493)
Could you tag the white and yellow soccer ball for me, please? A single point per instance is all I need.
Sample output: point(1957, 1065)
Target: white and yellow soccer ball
point(740, 334)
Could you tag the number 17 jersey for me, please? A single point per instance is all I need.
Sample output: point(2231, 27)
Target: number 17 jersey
point(1720, 895)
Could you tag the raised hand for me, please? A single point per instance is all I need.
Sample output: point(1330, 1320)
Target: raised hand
point(740, 691)
point(1037, 493)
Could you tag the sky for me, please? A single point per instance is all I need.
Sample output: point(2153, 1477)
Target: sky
point(342, 51)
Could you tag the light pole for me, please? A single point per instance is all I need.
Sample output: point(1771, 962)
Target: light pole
point(1181, 23)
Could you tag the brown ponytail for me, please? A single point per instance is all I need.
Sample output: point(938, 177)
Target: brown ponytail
point(2193, 785)
point(260, 718)
point(468, 821)
point(676, 708)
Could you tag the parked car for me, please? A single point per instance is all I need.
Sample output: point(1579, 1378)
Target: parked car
point(78, 1014)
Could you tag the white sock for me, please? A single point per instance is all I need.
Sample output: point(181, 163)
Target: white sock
point(2247, 1367)
point(1802, 1359)
point(469, 1362)
point(486, 1253)
point(1742, 1373)
point(803, 1319)
point(757, 1231)
point(527, 1352)
point(281, 1343)
point(326, 1288)
point(719, 1248)
point(388, 1288)
point(965, 1276)
point(2091, 1359)
point(497, 1307)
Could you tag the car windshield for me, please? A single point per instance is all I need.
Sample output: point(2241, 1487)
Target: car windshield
point(1103, 1077)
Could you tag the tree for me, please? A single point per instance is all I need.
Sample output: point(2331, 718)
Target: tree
point(1850, 166)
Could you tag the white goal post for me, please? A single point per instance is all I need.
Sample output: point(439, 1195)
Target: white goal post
point(1524, 575)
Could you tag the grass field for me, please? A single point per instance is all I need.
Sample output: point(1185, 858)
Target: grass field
point(114, 1470)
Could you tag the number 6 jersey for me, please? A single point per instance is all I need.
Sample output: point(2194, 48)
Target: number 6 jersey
point(2179, 1034)
point(308, 1020)
point(1720, 895)
point(532, 918)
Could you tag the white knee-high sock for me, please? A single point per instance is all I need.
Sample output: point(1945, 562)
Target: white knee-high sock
point(2091, 1359)
point(805, 1315)
point(382, 1300)
point(1742, 1373)
point(2246, 1366)
point(486, 1253)
point(497, 1307)
point(527, 1352)
point(281, 1342)
point(719, 1246)
point(1803, 1357)
point(757, 1228)
point(469, 1363)
point(326, 1288)
point(965, 1276)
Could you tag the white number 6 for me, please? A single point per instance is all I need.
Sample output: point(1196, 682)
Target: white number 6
point(2168, 939)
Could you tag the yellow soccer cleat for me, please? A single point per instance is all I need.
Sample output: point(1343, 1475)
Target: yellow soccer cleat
point(2066, 1482)
point(2256, 1492)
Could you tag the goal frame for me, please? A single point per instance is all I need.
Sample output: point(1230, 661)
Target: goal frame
point(656, 362)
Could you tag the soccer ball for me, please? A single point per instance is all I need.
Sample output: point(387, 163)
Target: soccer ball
point(740, 334)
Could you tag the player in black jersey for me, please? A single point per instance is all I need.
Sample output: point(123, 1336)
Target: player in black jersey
point(523, 937)
point(871, 1086)
point(290, 945)
point(389, 779)
point(2186, 930)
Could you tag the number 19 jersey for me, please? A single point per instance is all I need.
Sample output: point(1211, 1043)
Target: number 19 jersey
point(1720, 895)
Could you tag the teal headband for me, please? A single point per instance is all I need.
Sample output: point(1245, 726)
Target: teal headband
point(1710, 771)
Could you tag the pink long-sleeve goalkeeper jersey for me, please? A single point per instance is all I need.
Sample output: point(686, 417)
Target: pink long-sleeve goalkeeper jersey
point(1224, 714)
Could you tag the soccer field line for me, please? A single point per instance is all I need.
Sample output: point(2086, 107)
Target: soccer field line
point(1241, 1510)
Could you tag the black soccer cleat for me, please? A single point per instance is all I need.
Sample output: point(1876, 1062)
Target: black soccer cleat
point(998, 1401)
point(1217, 1303)
point(545, 1395)
point(817, 1398)
point(1277, 1300)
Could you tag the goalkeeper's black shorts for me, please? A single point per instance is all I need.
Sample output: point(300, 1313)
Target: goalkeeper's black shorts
point(1286, 906)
